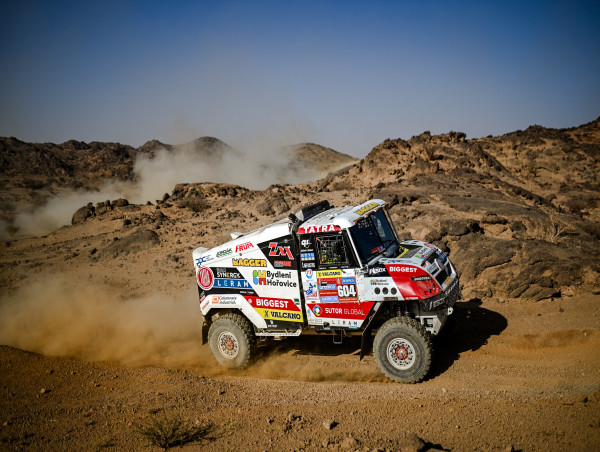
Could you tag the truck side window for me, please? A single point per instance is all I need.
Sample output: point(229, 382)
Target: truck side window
point(331, 251)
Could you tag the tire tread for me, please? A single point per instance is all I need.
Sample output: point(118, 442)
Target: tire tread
point(419, 330)
point(246, 328)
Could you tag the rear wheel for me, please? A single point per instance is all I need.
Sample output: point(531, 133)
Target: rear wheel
point(232, 341)
point(403, 350)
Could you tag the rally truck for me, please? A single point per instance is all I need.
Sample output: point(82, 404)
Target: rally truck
point(341, 271)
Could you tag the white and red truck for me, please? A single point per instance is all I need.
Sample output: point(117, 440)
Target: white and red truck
point(341, 271)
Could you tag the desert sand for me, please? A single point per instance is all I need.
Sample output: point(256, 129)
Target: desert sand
point(100, 324)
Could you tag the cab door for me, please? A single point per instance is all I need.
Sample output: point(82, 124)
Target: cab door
point(333, 300)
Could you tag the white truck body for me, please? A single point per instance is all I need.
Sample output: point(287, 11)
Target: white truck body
point(333, 272)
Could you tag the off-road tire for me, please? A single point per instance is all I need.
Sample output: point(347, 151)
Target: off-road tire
point(403, 350)
point(232, 341)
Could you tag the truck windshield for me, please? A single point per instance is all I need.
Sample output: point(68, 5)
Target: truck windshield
point(372, 235)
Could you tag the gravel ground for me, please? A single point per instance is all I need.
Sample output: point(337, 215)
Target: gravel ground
point(512, 383)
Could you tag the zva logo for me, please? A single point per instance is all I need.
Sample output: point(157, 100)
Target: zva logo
point(277, 250)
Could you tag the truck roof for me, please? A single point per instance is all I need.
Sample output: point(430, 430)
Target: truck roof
point(334, 219)
point(339, 218)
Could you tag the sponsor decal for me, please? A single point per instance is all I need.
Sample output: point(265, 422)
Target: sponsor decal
point(201, 260)
point(259, 277)
point(380, 282)
point(280, 253)
point(206, 278)
point(448, 280)
point(227, 299)
point(215, 299)
point(410, 280)
point(317, 310)
point(276, 250)
point(276, 279)
point(231, 283)
point(333, 286)
point(402, 269)
point(377, 270)
point(250, 262)
point(347, 290)
point(322, 228)
point(424, 254)
point(243, 247)
point(436, 303)
point(329, 274)
point(327, 287)
point(309, 273)
point(344, 311)
point(228, 273)
point(329, 299)
point(204, 305)
point(229, 278)
point(310, 291)
point(291, 316)
point(364, 209)
point(346, 323)
point(226, 252)
point(271, 303)
point(308, 265)
point(305, 243)
point(307, 256)
point(323, 286)
point(276, 309)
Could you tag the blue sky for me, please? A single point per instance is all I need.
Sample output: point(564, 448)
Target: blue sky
point(343, 74)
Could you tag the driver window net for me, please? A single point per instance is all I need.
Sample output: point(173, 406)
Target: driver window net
point(331, 250)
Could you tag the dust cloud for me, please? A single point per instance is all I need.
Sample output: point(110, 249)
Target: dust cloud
point(285, 367)
point(256, 169)
point(58, 317)
point(58, 211)
point(262, 162)
point(557, 339)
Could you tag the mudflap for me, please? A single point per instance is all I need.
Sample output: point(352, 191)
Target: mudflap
point(365, 341)
point(205, 328)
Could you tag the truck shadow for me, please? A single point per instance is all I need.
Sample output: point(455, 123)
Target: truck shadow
point(475, 325)
point(317, 345)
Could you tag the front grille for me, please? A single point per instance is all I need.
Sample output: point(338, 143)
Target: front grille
point(444, 272)
point(442, 276)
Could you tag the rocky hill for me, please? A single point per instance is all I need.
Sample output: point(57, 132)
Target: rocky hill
point(31, 174)
point(515, 224)
point(518, 214)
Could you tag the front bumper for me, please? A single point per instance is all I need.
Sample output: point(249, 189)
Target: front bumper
point(444, 300)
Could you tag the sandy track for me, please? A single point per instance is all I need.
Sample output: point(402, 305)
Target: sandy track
point(517, 375)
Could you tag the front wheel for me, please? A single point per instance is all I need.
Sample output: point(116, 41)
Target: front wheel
point(403, 350)
point(231, 341)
